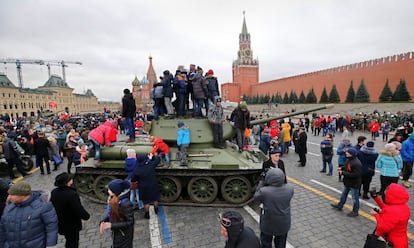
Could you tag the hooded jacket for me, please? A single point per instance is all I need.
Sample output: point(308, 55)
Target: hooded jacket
point(367, 156)
point(160, 147)
point(393, 219)
point(102, 133)
point(275, 196)
point(389, 163)
point(407, 150)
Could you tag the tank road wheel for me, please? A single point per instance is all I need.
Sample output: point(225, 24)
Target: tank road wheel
point(236, 189)
point(170, 189)
point(84, 183)
point(202, 189)
point(101, 186)
point(27, 163)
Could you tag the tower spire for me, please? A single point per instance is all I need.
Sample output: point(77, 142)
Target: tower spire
point(244, 28)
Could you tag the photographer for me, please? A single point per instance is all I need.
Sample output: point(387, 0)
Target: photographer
point(392, 218)
point(273, 162)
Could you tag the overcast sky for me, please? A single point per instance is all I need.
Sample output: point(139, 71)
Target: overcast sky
point(113, 39)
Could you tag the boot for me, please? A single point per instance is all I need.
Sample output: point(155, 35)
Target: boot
point(406, 184)
point(365, 196)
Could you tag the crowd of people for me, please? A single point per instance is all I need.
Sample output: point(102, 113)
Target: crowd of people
point(356, 165)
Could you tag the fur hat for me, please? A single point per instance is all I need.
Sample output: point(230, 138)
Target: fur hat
point(62, 179)
point(20, 188)
point(352, 151)
point(117, 186)
point(390, 147)
point(397, 145)
point(370, 144)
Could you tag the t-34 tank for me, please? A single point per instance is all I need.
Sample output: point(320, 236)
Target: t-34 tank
point(220, 177)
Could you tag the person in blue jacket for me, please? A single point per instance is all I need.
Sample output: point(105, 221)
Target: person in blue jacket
point(28, 220)
point(183, 141)
point(340, 151)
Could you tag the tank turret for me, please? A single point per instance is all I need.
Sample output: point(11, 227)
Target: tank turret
point(219, 177)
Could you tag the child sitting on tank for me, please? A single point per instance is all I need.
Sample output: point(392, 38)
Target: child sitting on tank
point(161, 149)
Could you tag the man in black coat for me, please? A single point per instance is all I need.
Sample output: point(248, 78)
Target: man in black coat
point(128, 112)
point(4, 187)
point(69, 209)
point(302, 148)
point(273, 162)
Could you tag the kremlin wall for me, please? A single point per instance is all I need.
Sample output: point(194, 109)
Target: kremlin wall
point(374, 73)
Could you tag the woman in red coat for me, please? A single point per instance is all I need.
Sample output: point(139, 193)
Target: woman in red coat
point(100, 136)
point(392, 219)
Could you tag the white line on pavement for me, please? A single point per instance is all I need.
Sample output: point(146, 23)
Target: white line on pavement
point(361, 201)
point(155, 236)
point(256, 217)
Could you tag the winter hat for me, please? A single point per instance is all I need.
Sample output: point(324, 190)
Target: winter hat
point(397, 145)
point(352, 151)
point(231, 218)
point(20, 188)
point(117, 186)
point(217, 99)
point(11, 135)
point(180, 124)
point(62, 179)
point(243, 105)
point(390, 147)
point(126, 91)
point(210, 72)
point(275, 151)
point(370, 144)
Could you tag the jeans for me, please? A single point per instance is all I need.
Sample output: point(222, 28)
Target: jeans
point(130, 126)
point(181, 105)
point(198, 104)
point(134, 199)
point(97, 148)
point(355, 198)
point(327, 160)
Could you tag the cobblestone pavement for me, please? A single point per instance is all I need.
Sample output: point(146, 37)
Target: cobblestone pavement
point(314, 222)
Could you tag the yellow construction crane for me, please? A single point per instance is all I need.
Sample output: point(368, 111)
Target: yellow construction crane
point(19, 63)
point(62, 63)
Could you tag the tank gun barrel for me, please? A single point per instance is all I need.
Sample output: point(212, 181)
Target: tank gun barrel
point(278, 117)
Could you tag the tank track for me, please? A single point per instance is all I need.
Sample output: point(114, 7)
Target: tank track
point(173, 172)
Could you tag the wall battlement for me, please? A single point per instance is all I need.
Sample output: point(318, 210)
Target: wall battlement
point(369, 64)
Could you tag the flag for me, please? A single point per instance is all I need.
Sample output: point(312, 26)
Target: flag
point(52, 104)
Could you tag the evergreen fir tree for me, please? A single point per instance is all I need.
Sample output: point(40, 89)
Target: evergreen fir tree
point(286, 98)
point(401, 93)
point(334, 95)
point(362, 94)
point(386, 93)
point(293, 98)
point(350, 96)
point(324, 96)
point(302, 98)
point(279, 97)
point(311, 97)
